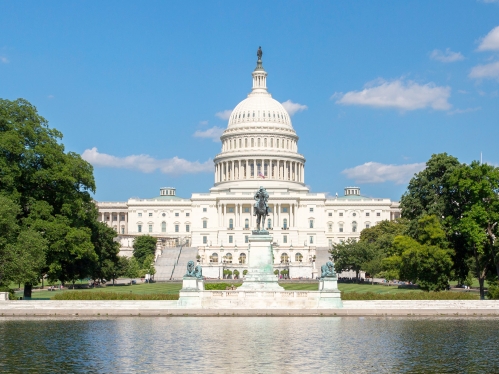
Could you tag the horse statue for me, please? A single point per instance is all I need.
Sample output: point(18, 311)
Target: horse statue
point(261, 208)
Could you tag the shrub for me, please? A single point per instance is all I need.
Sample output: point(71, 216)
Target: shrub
point(219, 286)
point(409, 296)
point(85, 295)
point(493, 291)
point(12, 295)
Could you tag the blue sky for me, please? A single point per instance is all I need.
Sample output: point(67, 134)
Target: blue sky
point(140, 88)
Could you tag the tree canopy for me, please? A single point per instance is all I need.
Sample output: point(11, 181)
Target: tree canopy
point(49, 202)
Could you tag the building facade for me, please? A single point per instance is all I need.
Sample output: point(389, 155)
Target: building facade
point(259, 148)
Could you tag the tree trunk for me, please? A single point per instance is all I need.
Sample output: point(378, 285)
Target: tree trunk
point(357, 276)
point(27, 291)
point(480, 274)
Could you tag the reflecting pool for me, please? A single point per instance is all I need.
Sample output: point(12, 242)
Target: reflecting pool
point(249, 345)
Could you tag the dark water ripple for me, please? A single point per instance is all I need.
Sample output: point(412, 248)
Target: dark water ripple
point(249, 345)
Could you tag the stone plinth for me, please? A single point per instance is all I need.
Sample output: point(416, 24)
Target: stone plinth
point(4, 296)
point(329, 295)
point(328, 284)
point(260, 274)
point(191, 292)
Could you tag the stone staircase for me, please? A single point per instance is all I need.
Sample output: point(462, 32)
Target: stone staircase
point(172, 263)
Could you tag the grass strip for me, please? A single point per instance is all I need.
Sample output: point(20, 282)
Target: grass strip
point(78, 295)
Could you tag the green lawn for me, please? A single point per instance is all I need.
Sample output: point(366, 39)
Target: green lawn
point(173, 288)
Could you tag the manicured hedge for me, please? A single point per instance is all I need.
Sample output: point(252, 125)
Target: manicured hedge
point(85, 295)
point(444, 295)
point(219, 286)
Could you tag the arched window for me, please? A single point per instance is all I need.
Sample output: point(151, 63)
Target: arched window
point(163, 226)
point(277, 142)
point(298, 257)
point(258, 142)
point(252, 142)
point(354, 226)
point(122, 229)
point(240, 142)
point(271, 142)
point(214, 257)
point(246, 223)
point(242, 258)
point(231, 223)
point(284, 258)
point(228, 258)
point(269, 223)
point(285, 223)
point(265, 142)
point(246, 142)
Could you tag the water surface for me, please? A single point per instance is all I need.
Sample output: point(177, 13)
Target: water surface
point(249, 345)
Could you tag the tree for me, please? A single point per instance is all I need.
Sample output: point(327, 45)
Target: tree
point(474, 204)
point(51, 187)
point(352, 255)
point(132, 269)
point(143, 246)
point(106, 249)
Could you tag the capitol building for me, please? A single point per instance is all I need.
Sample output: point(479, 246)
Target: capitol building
point(259, 148)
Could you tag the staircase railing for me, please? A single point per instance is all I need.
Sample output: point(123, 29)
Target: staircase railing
point(176, 262)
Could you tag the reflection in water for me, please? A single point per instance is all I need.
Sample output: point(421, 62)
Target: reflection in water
point(249, 345)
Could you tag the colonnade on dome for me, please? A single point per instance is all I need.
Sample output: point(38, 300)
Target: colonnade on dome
point(260, 168)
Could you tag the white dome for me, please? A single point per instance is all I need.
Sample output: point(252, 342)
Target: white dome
point(259, 107)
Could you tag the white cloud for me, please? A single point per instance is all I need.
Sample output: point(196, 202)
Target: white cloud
point(146, 163)
point(485, 71)
point(4, 59)
point(225, 114)
point(491, 41)
point(203, 122)
point(446, 56)
point(400, 95)
point(375, 172)
point(461, 111)
point(293, 108)
point(213, 133)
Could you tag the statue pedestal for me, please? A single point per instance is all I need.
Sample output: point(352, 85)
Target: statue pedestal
point(329, 295)
point(260, 264)
point(191, 293)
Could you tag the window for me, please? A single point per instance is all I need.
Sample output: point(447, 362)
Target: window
point(367, 225)
point(367, 214)
point(214, 257)
point(187, 214)
point(205, 209)
point(176, 214)
point(246, 223)
point(139, 228)
point(378, 214)
point(231, 239)
point(150, 214)
point(176, 228)
point(284, 257)
point(187, 228)
point(285, 223)
point(122, 229)
point(284, 210)
point(150, 228)
point(164, 214)
point(115, 217)
point(284, 238)
point(140, 214)
point(330, 214)
point(354, 214)
point(298, 257)
point(269, 223)
point(354, 226)
point(341, 227)
point(330, 241)
point(205, 240)
point(231, 210)
point(311, 210)
point(163, 226)
point(205, 224)
point(242, 258)
point(246, 239)
point(341, 214)
point(311, 240)
point(231, 223)
point(311, 223)
point(330, 227)
point(246, 210)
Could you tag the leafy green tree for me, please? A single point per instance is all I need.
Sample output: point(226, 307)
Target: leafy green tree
point(51, 187)
point(106, 249)
point(132, 269)
point(474, 203)
point(143, 246)
point(352, 255)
